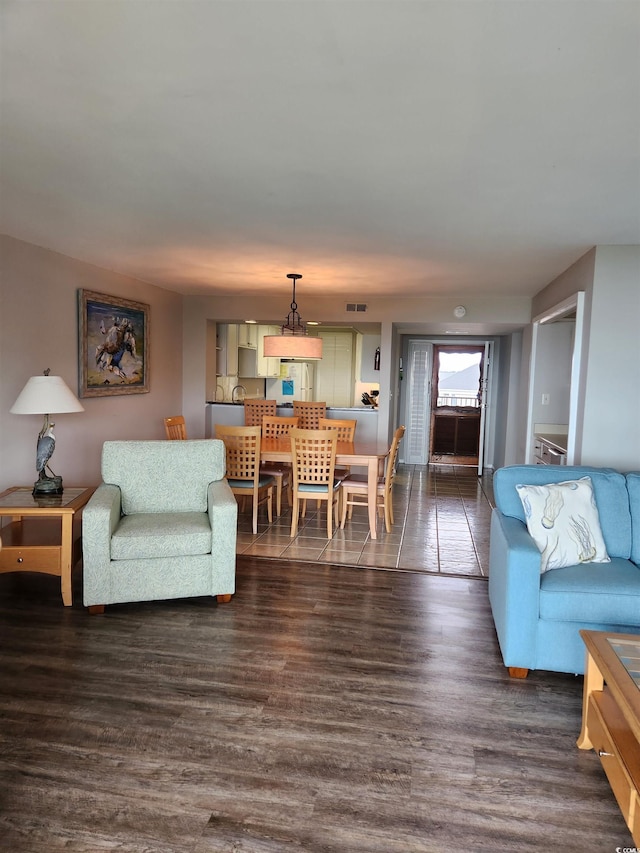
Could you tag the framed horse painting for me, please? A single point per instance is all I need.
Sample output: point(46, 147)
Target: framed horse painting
point(113, 345)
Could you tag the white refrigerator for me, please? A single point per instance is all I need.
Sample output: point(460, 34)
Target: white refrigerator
point(294, 383)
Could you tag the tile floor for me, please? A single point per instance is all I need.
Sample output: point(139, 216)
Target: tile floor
point(441, 526)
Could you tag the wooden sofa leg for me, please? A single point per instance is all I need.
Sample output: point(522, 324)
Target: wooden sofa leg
point(518, 672)
point(95, 609)
point(223, 599)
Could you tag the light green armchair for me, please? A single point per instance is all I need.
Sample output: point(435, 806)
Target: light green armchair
point(161, 525)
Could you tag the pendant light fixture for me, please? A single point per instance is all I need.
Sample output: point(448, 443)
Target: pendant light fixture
point(293, 342)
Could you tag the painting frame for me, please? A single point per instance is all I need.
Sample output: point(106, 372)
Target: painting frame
point(113, 345)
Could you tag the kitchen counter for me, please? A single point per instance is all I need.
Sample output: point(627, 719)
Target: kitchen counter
point(557, 440)
point(287, 408)
point(232, 414)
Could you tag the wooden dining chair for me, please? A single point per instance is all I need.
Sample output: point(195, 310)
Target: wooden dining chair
point(346, 428)
point(274, 426)
point(313, 459)
point(355, 487)
point(255, 410)
point(309, 413)
point(242, 444)
point(175, 428)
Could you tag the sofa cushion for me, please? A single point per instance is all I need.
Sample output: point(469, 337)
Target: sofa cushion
point(592, 592)
point(563, 521)
point(609, 488)
point(163, 476)
point(161, 534)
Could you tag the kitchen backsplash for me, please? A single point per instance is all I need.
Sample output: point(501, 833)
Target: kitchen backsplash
point(226, 384)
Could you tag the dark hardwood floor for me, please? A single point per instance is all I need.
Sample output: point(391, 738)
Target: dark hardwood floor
point(326, 708)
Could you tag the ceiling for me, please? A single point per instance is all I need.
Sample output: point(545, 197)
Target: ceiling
point(423, 148)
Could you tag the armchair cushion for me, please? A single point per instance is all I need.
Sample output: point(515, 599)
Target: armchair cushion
point(161, 534)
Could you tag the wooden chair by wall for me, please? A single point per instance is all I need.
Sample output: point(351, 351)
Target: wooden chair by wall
point(175, 428)
point(272, 427)
point(243, 473)
point(313, 459)
point(255, 410)
point(355, 487)
point(309, 413)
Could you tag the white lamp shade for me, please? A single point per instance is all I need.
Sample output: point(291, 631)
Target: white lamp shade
point(301, 347)
point(46, 395)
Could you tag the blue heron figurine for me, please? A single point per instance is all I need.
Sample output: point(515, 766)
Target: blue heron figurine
point(44, 451)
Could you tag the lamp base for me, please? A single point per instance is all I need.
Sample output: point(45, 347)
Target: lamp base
point(48, 486)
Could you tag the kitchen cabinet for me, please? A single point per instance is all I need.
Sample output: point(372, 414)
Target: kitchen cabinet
point(227, 350)
point(550, 449)
point(252, 363)
point(248, 336)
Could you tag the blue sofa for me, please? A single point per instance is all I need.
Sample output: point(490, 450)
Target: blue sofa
point(538, 616)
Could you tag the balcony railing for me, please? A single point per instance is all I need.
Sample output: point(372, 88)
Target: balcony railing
point(458, 400)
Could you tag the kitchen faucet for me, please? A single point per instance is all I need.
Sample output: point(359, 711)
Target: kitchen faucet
point(238, 388)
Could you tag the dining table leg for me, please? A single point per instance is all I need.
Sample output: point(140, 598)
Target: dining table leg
point(372, 489)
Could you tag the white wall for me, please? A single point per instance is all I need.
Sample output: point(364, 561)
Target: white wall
point(554, 348)
point(39, 329)
point(611, 434)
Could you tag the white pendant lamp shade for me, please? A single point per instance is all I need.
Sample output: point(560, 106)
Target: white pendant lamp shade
point(46, 395)
point(293, 346)
point(294, 342)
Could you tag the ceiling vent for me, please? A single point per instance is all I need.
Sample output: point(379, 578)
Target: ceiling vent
point(356, 307)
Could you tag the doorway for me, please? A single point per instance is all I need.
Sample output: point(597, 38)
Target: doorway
point(456, 404)
point(420, 404)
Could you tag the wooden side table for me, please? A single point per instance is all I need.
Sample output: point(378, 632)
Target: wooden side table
point(611, 715)
point(40, 535)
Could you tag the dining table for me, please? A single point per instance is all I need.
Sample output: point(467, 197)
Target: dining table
point(363, 454)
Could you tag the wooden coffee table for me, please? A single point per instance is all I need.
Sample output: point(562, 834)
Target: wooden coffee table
point(611, 716)
point(40, 536)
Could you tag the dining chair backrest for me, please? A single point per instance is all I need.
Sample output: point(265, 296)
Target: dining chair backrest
point(313, 460)
point(346, 428)
point(242, 444)
point(313, 457)
point(392, 459)
point(254, 411)
point(175, 428)
point(309, 413)
point(274, 426)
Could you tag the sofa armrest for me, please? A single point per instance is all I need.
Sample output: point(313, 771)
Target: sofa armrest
point(514, 589)
point(100, 517)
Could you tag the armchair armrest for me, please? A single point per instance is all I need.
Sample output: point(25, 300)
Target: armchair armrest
point(222, 508)
point(514, 589)
point(100, 517)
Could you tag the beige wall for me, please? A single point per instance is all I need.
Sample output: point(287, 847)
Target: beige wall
point(38, 329)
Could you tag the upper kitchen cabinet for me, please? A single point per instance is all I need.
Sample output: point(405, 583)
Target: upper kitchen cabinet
point(248, 336)
point(252, 363)
point(227, 349)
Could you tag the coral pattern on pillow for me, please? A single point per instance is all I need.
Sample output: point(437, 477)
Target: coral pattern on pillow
point(563, 521)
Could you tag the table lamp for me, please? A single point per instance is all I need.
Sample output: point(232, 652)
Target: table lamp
point(46, 395)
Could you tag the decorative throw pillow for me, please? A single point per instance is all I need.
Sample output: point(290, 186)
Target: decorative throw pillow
point(563, 521)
